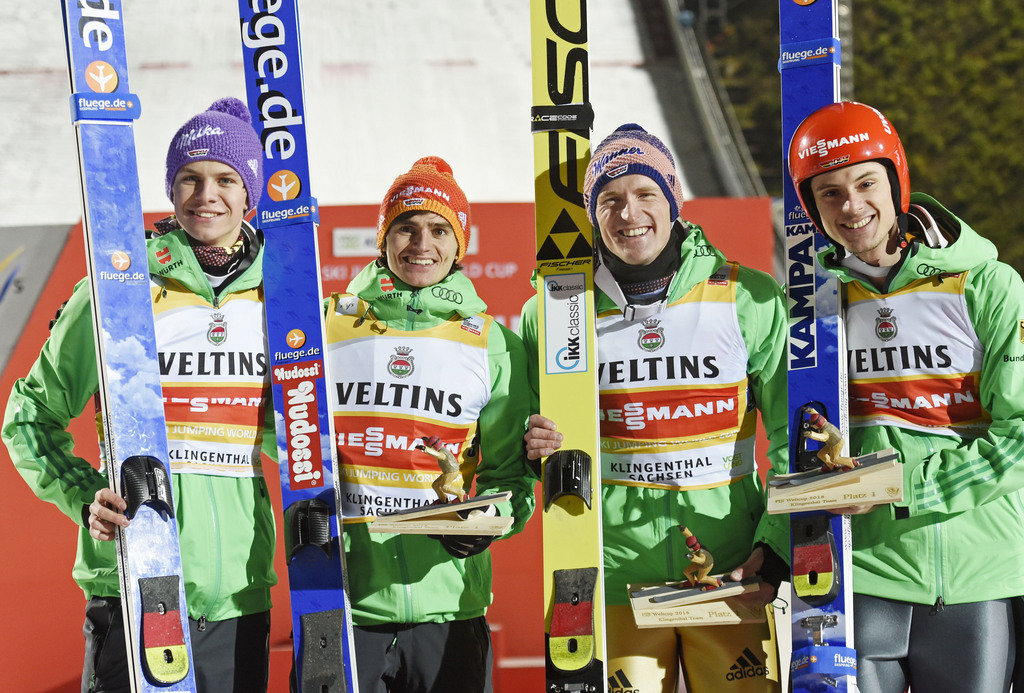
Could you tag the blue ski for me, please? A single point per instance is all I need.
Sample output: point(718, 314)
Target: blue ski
point(135, 435)
point(288, 216)
point(823, 657)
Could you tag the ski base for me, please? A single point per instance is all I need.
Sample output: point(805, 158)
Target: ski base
point(165, 656)
point(324, 649)
point(571, 642)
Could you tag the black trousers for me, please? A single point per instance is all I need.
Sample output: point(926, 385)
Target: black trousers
point(454, 657)
point(960, 647)
point(229, 656)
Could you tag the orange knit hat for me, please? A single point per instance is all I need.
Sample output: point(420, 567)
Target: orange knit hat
point(429, 186)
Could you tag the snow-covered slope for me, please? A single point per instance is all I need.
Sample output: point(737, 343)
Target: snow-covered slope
point(387, 81)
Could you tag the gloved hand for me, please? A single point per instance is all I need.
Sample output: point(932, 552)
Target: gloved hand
point(463, 545)
point(774, 569)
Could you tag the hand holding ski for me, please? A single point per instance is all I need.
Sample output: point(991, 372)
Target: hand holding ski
point(106, 515)
point(542, 438)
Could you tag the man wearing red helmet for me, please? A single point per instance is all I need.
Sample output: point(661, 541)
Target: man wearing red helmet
point(935, 339)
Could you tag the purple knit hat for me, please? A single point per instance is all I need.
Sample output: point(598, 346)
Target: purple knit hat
point(631, 149)
point(221, 133)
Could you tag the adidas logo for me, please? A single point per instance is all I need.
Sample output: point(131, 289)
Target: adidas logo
point(746, 666)
point(618, 683)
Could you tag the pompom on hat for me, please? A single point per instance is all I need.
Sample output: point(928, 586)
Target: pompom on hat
point(221, 133)
point(429, 186)
point(631, 149)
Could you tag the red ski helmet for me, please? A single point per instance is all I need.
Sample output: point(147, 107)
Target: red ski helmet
point(842, 134)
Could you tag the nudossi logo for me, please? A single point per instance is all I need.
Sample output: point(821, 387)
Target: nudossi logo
point(305, 456)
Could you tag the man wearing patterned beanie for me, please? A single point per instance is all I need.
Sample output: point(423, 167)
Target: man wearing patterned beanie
point(206, 267)
point(423, 376)
point(722, 340)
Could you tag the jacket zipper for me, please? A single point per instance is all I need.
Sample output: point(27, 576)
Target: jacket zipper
point(406, 587)
point(939, 602)
point(670, 560)
point(217, 558)
point(413, 310)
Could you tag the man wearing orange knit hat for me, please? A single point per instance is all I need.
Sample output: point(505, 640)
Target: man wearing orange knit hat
point(416, 362)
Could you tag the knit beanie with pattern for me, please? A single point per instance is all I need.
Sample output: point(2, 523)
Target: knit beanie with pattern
point(222, 133)
point(429, 186)
point(631, 149)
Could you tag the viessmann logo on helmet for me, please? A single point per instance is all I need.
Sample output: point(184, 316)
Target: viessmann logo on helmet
point(823, 147)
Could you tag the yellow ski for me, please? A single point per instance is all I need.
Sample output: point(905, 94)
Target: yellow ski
point(571, 478)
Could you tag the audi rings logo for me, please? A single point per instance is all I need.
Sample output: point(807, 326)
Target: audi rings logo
point(446, 294)
point(703, 251)
point(928, 271)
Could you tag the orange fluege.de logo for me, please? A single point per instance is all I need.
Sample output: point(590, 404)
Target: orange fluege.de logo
point(101, 77)
point(283, 185)
point(120, 260)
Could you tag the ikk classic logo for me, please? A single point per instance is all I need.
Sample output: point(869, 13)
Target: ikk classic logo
point(565, 339)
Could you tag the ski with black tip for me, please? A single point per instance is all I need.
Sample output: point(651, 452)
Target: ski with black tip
point(134, 429)
point(288, 216)
point(823, 655)
point(571, 478)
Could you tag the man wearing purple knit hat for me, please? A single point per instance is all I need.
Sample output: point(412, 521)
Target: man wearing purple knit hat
point(677, 418)
point(206, 269)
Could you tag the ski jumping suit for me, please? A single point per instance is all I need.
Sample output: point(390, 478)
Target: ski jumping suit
point(209, 348)
point(677, 398)
point(409, 363)
point(936, 369)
